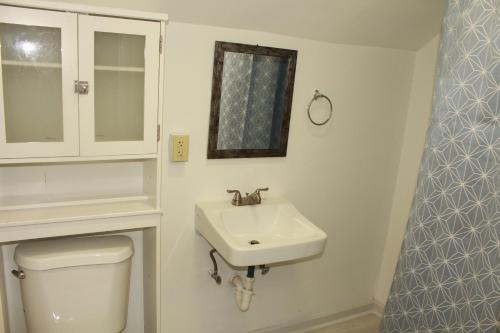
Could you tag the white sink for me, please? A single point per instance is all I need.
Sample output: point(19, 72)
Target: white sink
point(282, 233)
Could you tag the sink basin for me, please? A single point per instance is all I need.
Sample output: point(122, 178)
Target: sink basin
point(271, 232)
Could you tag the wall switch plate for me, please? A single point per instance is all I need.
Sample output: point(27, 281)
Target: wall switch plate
point(180, 148)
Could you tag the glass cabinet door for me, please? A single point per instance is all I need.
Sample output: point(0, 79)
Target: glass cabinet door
point(38, 109)
point(119, 60)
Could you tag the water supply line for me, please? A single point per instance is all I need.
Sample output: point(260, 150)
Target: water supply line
point(215, 272)
point(244, 288)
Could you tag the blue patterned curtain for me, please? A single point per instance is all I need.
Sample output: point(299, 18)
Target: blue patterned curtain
point(448, 274)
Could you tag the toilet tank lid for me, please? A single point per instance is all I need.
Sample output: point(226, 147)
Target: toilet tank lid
point(70, 252)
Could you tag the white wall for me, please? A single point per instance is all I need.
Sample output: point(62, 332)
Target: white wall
point(341, 176)
point(49, 182)
point(419, 111)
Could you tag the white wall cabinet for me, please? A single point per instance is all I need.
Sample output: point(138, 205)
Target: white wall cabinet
point(77, 85)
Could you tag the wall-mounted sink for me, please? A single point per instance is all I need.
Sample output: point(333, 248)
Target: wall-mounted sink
point(271, 232)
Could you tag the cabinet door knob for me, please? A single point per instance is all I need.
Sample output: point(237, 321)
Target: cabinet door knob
point(81, 87)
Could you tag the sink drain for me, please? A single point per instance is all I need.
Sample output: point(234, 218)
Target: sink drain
point(254, 242)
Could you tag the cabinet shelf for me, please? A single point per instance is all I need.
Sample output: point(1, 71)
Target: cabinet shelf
point(57, 65)
point(119, 69)
point(31, 64)
point(76, 212)
point(44, 201)
point(76, 159)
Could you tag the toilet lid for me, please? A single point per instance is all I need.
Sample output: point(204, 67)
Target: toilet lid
point(70, 252)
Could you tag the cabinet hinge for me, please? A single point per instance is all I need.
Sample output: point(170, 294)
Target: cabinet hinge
point(158, 133)
point(161, 44)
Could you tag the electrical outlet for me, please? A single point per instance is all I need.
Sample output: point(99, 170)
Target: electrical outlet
point(180, 148)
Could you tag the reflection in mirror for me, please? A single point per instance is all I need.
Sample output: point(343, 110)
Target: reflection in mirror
point(251, 101)
point(252, 97)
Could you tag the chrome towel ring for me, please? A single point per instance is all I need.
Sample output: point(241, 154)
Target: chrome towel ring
point(318, 95)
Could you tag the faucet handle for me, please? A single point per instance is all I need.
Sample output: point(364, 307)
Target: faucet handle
point(237, 196)
point(262, 189)
point(257, 193)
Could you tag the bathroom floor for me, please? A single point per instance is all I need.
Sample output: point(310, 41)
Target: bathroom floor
point(365, 324)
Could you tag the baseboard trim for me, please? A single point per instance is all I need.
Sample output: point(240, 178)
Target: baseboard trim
point(378, 308)
point(320, 322)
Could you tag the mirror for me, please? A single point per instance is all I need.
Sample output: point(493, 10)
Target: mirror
point(252, 91)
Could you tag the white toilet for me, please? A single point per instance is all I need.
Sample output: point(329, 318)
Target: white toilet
point(75, 285)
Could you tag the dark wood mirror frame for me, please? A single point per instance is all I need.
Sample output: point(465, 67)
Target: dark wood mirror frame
point(220, 49)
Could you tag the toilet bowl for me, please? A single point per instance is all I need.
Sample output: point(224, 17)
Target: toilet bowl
point(75, 285)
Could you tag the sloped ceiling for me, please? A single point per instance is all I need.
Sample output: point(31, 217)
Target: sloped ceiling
point(401, 24)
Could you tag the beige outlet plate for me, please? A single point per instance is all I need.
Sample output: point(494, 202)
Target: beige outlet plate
point(180, 148)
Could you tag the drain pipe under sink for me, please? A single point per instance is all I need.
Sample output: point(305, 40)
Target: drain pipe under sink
point(244, 288)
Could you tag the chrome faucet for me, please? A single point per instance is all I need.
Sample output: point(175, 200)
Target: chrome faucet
point(249, 199)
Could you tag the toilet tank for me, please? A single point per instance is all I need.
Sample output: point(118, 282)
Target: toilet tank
point(75, 285)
